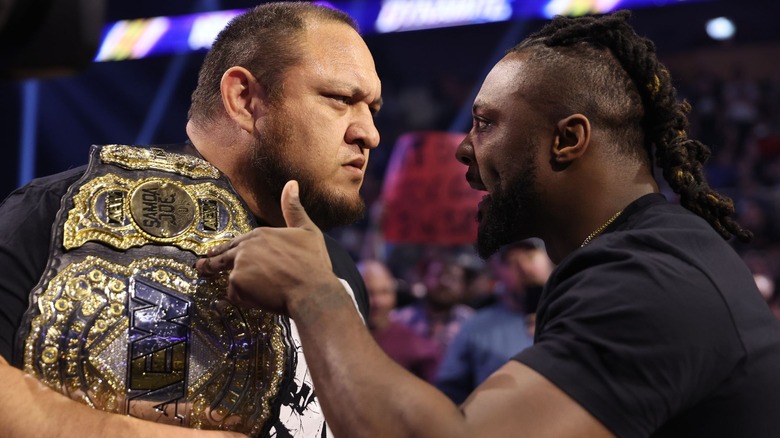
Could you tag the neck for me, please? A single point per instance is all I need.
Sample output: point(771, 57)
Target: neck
point(230, 152)
point(589, 208)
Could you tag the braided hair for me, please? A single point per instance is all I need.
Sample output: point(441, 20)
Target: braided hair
point(605, 51)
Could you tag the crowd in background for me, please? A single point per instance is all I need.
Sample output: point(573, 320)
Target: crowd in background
point(451, 318)
point(739, 118)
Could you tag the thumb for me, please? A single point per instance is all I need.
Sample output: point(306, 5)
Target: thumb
point(292, 209)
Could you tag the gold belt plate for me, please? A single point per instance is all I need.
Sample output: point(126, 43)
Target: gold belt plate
point(154, 341)
point(125, 213)
point(135, 158)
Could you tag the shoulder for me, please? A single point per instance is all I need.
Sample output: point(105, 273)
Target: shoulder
point(462, 312)
point(26, 219)
point(38, 201)
point(52, 185)
point(664, 274)
point(490, 315)
point(664, 228)
point(636, 274)
point(663, 247)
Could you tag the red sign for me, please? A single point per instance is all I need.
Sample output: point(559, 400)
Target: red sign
point(426, 197)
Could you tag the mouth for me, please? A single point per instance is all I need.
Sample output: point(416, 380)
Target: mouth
point(358, 162)
point(475, 182)
point(355, 166)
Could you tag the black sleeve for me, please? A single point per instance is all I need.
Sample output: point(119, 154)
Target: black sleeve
point(26, 219)
point(344, 267)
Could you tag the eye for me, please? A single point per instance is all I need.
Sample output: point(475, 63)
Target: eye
point(480, 124)
point(339, 98)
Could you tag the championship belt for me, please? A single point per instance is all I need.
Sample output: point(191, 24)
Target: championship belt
point(120, 319)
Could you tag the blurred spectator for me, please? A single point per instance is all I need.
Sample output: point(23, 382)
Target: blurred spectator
point(440, 314)
point(480, 282)
point(498, 332)
point(722, 170)
point(753, 214)
point(706, 121)
point(413, 352)
point(481, 287)
point(766, 286)
point(740, 95)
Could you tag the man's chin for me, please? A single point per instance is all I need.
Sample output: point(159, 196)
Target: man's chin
point(335, 213)
point(493, 233)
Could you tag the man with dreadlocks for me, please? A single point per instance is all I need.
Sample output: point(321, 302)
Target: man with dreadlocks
point(650, 326)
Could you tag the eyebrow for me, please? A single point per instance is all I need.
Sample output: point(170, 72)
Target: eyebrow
point(374, 106)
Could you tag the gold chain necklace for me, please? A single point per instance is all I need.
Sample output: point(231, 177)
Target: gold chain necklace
point(598, 231)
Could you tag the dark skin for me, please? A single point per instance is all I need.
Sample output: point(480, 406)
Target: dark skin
point(580, 180)
point(581, 188)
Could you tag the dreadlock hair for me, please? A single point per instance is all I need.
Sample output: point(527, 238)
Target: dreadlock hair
point(600, 52)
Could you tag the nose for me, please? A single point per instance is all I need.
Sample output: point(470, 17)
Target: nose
point(465, 152)
point(362, 131)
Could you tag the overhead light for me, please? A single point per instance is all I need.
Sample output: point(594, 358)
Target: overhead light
point(721, 28)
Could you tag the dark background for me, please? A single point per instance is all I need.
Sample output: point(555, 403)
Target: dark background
point(429, 77)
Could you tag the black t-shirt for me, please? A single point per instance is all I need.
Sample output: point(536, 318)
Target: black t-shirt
point(657, 329)
point(26, 219)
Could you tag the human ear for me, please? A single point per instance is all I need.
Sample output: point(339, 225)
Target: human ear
point(572, 138)
point(242, 96)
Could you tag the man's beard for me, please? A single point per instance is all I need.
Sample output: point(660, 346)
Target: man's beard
point(272, 166)
point(505, 218)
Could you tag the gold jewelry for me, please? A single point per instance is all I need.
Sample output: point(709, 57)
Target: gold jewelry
point(654, 86)
point(598, 231)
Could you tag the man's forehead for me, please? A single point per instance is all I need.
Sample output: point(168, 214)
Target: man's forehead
point(342, 50)
point(332, 36)
point(506, 80)
point(509, 73)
